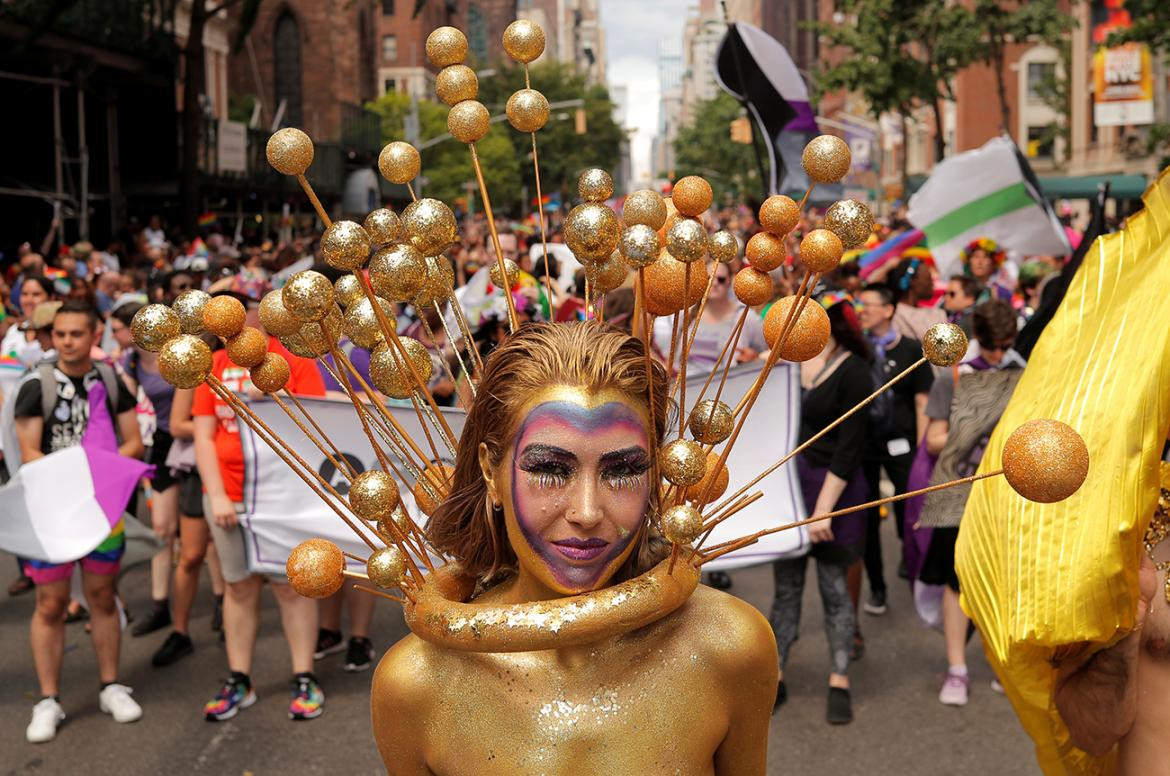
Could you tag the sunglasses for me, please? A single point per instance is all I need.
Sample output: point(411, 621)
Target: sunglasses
point(1002, 346)
point(722, 280)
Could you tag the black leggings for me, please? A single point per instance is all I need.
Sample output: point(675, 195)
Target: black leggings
point(898, 470)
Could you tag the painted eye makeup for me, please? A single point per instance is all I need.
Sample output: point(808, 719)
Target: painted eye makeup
point(625, 469)
point(546, 467)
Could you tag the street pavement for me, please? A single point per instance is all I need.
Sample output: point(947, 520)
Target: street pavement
point(900, 727)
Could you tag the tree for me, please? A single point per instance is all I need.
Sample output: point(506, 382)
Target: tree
point(1150, 25)
point(702, 148)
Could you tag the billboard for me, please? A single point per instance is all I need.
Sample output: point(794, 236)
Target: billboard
point(1123, 76)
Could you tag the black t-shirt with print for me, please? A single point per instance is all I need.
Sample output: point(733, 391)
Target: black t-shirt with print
point(66, 424)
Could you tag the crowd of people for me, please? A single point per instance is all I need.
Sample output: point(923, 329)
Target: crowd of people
point(66, 340)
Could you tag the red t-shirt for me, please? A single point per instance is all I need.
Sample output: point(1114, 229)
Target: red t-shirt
point(304, 380)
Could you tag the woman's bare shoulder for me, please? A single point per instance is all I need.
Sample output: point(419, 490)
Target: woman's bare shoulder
point(728, 629)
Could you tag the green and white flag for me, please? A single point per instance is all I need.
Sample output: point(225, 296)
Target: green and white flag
point(989, 192)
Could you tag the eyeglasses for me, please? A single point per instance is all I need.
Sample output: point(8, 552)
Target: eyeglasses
point(1000, 347)
point(722, 279)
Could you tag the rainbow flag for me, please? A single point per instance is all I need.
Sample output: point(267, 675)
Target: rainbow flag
point(892, 248)
point(207, 219)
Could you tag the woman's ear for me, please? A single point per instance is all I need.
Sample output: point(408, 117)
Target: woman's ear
point(485, 467)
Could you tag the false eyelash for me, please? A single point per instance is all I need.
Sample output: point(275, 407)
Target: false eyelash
point(546, 480)
point(626, 481)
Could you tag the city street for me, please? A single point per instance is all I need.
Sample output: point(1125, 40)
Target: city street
point(900, 727)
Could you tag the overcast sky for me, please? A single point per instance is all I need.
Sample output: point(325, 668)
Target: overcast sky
point(633, 29)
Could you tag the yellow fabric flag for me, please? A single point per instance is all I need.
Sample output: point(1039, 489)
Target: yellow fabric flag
point(1036, 577)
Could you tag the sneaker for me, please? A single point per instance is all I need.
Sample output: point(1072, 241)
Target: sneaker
point(720, 580)
point(115, 700)
point(328, 643)
point(159, 618)
point(954, 690)
point(308, 698)
point(217, 616)
point(232, 697)
point(996, 687)
point(177, 645)
point(876, 605)
point(903, 572)
point(840, 707)
point(46, 716)
point(360, 655)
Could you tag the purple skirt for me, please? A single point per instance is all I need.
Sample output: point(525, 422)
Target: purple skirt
point(848, 542)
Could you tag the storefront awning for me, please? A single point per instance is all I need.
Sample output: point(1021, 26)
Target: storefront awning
point(1085, 186)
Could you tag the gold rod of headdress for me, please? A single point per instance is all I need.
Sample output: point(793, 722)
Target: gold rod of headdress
point(397, 446)
point(813, 439)
point(321, 431)
point(312, 195)
point(410, 188)
point(390, 334)
point(468, 339)
point(372, 591)
point(357, 558)
point(381, 409)
point(739, 505)
point(286, 454)
point(738, 544)
point(673, 344)
point(324, 446)
point(487, 210)
point(647, 325)
point(540, 216)
point(439, 350)
point(403, 541)
point(424, 414)
point(804, 199)
point(689, 339)
point(414, 537)
point(731, 342)
point(682, 362)
point(383, 460)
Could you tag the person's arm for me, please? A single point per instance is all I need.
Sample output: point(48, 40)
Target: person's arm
point(1097, 698)
point(182, 424)
point(206, 460)
point(29, 432)
point(131, 446)
point(831, 490)
point(398, 701)
point(751, 675)
point(920, 418)
point(936, 435)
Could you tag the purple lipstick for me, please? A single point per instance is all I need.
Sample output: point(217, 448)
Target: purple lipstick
point(581, 549)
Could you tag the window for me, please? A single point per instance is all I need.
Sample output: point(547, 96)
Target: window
point(388, 85)
point(387, 7)
point(1040, 143)
point(287, 68)
point(1040, 74)
point(389, 48)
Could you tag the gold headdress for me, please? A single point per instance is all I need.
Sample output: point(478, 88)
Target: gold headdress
point(396, 258)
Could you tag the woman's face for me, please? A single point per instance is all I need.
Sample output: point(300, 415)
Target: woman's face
point(31, 295)
point(575, 486)
point(981, 264)
point(721, 286)
point(121, 333)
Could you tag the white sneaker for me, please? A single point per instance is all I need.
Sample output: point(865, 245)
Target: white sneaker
point(116, 701)
point(46, 716)
point(954, 690)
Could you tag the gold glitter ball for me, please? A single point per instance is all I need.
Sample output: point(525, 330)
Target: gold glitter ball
point(391, 376)
point(591, 232)
point(639, 245)
point(686, 240)
point(826, 159)
point(387, 567)
point(382, 225)
point(666, 290)
point(429, 225)
point(691, 195)
point(346, 245)
point(308, 295)
point(398, 272)
point(682, 462)
point(809, 334)
point(524, 40)
point(223, 316)
point(753, 287)
point(248, 348)
point(723, 246)
point(710, 422)
point(275, 317)
point(608, 275)
point(714, 482)
point(398, 519)
point(439, 283)
point(1045, 461)
point(316, 338)
point(399, 162)
point(646, 207)
point(314, 568)
point(456, 83)
point(189, 307)
point(944, 344)
point(595, 185)
point(682, 524)
point(779, 214)
point(851, 221)
point(821, 250)
point(511, 267)
point(361, 324)
point(347, 290)
point(153, 325)
point(271, 374)
point(446, 46)
point(765, 251)
point(373, 494)
point(431, 488)
point(184, 361)
point(289, 151)
point(527, 110)
point(468, 121)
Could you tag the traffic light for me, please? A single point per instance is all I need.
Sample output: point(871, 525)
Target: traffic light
point(741, 130)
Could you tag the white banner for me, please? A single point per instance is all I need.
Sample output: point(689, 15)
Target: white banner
point(282, 511)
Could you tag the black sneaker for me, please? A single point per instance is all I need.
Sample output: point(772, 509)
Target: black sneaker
point(840, 708)
point(177, 645)
point(903, 573)
point(720, 580)
point(360, 654)
point(217, 616)
point(328, 643)
point(159, 618)
point(781, 696)
point(876, 605)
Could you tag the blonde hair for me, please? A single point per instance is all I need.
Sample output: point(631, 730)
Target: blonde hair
point(589, 354)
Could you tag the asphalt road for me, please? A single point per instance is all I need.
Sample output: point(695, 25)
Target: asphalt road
point(900, 727)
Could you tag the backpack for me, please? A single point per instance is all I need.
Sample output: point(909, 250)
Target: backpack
point(881, 409)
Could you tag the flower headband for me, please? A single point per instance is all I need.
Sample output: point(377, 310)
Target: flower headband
point(983, 243)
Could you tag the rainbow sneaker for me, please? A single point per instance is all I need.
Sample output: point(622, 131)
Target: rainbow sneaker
point(233, 696)
point(308, 698)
